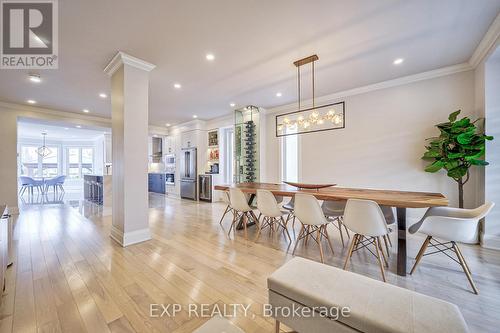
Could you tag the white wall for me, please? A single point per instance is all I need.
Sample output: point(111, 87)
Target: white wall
point(384, 139)
point(492, 172)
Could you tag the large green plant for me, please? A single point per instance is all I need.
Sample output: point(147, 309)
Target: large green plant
point(459, 146)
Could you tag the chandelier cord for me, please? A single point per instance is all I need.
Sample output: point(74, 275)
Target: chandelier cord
point(298, 76)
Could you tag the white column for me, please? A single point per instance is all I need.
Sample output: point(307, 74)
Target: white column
point(129, 103)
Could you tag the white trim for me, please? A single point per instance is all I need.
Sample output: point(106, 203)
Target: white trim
point(491, 242)
point(378, 86)
point(487, 43)
point(122, 58)
point(129, 238)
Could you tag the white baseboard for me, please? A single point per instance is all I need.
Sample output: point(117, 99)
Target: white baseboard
point(491, 242)
point(130, 238)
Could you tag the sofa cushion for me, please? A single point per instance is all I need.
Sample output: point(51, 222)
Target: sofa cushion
point(375, 306)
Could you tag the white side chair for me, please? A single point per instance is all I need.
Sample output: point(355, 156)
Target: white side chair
point(225, 199)
point(273, 215)
point(314, 222)
point(451, 225)
point(242, 211)
point(366, 219)
point(334, 211)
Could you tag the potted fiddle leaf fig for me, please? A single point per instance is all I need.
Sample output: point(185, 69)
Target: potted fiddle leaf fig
point(459, 146)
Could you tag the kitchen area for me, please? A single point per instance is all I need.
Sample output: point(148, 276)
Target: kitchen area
point(186, 163)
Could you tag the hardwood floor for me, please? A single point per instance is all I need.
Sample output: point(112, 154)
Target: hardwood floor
point(69, 276)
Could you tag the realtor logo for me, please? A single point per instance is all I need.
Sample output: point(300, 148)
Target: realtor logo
point(29, 36)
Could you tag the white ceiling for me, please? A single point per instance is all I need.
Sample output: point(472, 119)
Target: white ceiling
point(254, 42)
point(33, 130)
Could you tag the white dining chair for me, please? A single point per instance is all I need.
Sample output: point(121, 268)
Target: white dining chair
point(334, 211)
point(272, 214)
point(308, 210)
point(242, 210)
point(225, 199)
point(366, 219)
point(451, 225)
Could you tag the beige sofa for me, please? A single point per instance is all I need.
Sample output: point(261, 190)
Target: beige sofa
point(374, 306)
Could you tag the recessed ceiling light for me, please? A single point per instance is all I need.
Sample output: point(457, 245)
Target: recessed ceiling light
point(177, 86)
point(232, 105)
point(167, 124)
point(78, 126)
point(278, 94)
point(86, 110)
point(195, 116)
point(398, 61)
point(30, 101)
point(210, 57)
point(35, 78)
point(66, 128)
point(103, 95)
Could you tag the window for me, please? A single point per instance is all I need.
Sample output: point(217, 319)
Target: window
point(50, 164)
point(289, 158)
point(29, 161)
point(33, 165)
point(80, 161)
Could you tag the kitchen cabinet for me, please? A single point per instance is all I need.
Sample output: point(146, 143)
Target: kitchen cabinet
point(189, 139)
point(156, 182)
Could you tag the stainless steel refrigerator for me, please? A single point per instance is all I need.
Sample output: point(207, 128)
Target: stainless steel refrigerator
point(188, 173)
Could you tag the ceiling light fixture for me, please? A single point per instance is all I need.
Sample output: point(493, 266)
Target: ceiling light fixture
point(232, 105)
point(30, 101)
point(78, 126)
point(177, 86)
point(86, 110)
point(103, 95)
point(195, 116)
point(167, 124)
point(278, 94)
point(398, 61)
point(66, 128)
point(35, 78)
point(210, 57)
point(43, 151)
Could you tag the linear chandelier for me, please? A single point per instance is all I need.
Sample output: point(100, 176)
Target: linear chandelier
point(314, 119)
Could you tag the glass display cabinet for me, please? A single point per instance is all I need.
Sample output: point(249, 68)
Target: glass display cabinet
point(246, 144)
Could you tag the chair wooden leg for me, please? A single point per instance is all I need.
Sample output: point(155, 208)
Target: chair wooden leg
point(318, 240)
point(386, 245)
point(223, 215)
point(379, 243)
point(325, 229)
point(302, 229)
point(379, 260)
point(277, 327)
point(465, 267)
point(340, 230)
point(286, 229)
point(245, 222)
point(307, 234)
point(421, 253)
point(349, 253)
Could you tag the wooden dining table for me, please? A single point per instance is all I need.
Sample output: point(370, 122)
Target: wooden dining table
point(401, 200)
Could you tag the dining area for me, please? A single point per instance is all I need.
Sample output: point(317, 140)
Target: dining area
point(370, 220)
point(41, 185)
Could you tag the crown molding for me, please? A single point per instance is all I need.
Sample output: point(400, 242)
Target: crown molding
point(378, 86)
point(486, 44)
point(122, 58)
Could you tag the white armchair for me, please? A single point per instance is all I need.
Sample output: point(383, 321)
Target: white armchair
point(451, 225)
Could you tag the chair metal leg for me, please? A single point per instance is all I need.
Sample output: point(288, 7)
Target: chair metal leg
point(421, 253)
point(351, 248)
point(465, 267)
